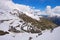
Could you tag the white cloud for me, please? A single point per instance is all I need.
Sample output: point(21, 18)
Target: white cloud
point(48, 9)
point(57, 9)
point(53, 11)
point(10, 5)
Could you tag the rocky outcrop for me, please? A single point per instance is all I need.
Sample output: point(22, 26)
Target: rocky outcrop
point(3, 33)
point(37, 26)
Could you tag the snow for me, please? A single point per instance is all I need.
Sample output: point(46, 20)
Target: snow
point(50, 36)
point(55, 35)
point(4, 26)
point(8, 16)
point(24, 36)
point(8, 5)
point(25, 28)
point(32, 16)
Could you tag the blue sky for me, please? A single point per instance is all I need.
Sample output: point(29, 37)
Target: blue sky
point(39, 4)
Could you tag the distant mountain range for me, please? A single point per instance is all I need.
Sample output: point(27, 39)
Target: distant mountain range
point(54, 19)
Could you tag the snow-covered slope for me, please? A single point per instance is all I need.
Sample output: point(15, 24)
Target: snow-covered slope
point(13, 15)
point(17, 20)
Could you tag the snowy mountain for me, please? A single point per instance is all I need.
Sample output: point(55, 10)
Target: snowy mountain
point(21, 18)
point(18, 18)
point(17, 21)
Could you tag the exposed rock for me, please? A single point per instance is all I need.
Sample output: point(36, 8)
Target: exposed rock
point(39, 26)
point(12, 29)
point(30, 38)
point(1, 21)
point(3, 33)
point(30, 28)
